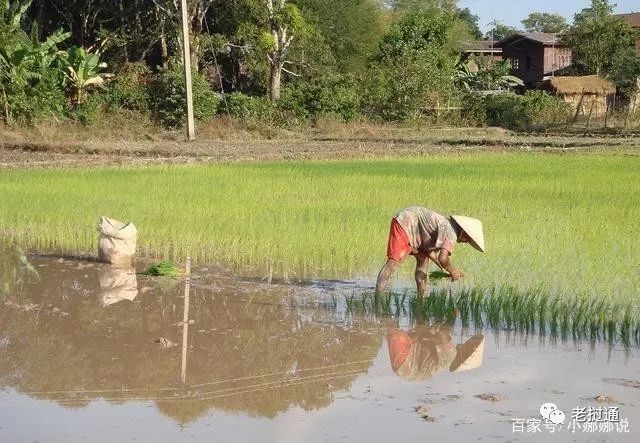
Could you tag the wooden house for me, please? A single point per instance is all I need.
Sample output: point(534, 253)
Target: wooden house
point(535, 56)
point(634, 21)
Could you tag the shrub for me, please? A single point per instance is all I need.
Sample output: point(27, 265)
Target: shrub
point(130, 89)
point(474, 111)
point(546, 109)
point(168, 103)
point(35, 100)
point(336, 97)
point(92, 109)
point(535, 109)
point(249, 108)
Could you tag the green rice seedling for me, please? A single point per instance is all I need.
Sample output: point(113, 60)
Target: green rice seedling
point(436, 276)
point(543, 309)
point(349, 301)
point(625, 326)
point(330, 211)
point(164, 269)
point(15, 269)
point(578, 317)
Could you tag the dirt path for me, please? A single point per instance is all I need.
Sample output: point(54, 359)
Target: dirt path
point(19, 152)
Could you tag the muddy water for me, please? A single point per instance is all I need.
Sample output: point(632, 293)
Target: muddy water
point(94, 353)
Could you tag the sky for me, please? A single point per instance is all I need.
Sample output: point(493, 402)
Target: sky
point(511, 12)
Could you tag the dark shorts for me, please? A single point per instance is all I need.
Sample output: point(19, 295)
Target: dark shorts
point(398, 246)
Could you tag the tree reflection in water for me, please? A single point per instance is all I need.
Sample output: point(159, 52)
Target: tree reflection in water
point(253, 354)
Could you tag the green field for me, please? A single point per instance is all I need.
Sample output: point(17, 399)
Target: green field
point(566, 223)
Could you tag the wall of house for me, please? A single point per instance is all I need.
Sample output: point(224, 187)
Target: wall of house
point(557, 58)
point(527, 60)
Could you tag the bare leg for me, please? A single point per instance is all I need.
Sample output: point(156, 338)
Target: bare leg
point(385, 274)
point(422, 277)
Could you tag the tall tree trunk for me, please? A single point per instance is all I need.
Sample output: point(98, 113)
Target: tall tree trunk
point(195, 47)
point(164, 51)
point(275, 80)
point(164, 48)
point(281, 42)
point(123, 30)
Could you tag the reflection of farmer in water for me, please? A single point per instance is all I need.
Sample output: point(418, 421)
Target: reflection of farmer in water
point(426, 350)
point(427, 235)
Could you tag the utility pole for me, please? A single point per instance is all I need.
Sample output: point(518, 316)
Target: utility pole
point(493, 25)
point(186, 55)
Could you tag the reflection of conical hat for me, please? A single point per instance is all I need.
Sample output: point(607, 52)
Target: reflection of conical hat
point(117, 284)
point(473, 228)
point(469, 355)
point(419, 356)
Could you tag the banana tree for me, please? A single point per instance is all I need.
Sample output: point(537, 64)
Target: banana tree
point(490, 76)
point(11, 16)
point(82, 71)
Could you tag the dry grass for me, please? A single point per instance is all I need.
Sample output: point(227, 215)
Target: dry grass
point(135, 140)
point(588, 84)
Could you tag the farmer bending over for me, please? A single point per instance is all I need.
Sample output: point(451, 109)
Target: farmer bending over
point(425, 234)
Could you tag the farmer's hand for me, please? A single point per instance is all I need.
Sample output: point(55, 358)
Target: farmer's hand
point(456, 274)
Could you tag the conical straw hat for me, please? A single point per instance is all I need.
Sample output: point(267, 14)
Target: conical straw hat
point(469, 355)
point(473, 228)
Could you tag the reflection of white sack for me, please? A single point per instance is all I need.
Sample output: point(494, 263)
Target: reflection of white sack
point(117, 284)
point(117, 241)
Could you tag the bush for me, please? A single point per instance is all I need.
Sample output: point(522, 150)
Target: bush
point(546, 109)
point(168, 103)
point(535, 109)
point(249, 108)
point(130, 90)
point(336, 97)
point(474, 111)
point(36, 100)
point(93, 109)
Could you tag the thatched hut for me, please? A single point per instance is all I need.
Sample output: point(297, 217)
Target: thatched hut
point(588, 95)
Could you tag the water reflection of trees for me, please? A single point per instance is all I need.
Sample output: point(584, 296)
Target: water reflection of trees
point(268, 355)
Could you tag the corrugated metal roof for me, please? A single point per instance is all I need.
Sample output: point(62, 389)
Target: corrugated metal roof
point(481, 45)
point(540, 37)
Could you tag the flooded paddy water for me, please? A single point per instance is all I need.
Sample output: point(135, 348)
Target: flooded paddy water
point(90, 352)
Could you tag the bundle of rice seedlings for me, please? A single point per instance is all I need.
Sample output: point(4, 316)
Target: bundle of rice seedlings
point(164, 269)
point(438, 275)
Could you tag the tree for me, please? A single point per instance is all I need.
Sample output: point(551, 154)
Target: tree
point(545, 22)
point(352, 29)
point(490, 76)
point(466, 16)
point(414, 67)
point(415, 5)
point(82, 69)
point(603, 44)
point(284, 21)
point(27, 78)
point(257, 50)
point(500, 32)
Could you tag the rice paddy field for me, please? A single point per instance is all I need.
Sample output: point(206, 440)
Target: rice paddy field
point(565, 223)
point(277, 322)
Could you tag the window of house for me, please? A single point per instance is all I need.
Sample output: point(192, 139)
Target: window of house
point(515, 63)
